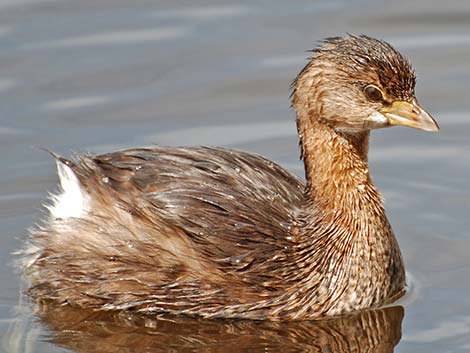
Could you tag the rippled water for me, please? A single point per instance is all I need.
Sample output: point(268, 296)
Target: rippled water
point(98, 75)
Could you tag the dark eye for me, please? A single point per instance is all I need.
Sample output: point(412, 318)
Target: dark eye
point(373, 93)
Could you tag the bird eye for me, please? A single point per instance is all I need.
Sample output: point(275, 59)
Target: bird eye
point(373, 93)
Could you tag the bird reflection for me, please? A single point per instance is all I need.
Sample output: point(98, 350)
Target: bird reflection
point(374, 331)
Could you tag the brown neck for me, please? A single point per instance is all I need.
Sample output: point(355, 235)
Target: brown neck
point(345, 241)
point(345, 227)
point(335, 164)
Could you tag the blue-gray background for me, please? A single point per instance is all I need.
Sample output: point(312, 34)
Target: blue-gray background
point(95, 75)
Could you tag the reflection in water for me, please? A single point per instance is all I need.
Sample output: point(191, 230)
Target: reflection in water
point(87, 331)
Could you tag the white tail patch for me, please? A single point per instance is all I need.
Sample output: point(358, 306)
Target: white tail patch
point(71, 201)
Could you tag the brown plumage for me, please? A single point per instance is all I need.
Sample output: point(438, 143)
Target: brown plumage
point(223, 233)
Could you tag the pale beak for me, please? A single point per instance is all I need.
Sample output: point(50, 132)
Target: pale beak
point(409, 114)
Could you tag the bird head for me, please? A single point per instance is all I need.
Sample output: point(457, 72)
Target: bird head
point(358, 83)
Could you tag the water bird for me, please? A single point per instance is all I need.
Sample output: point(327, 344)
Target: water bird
point(221, 233)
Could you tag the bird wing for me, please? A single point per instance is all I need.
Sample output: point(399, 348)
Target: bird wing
point(213, 194)
point(235, 208)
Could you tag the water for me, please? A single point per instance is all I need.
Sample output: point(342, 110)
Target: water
point(100, 75)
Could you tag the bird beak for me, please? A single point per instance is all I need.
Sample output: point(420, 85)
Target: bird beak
point(409, 114)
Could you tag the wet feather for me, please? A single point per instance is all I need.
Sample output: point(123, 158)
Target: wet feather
point(221, 233)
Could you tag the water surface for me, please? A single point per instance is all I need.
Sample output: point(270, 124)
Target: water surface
point(99, 75)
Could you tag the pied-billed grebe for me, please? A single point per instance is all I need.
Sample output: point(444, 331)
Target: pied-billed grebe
point(223, 233)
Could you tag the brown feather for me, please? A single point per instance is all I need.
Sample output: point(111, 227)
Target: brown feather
point(222, 233)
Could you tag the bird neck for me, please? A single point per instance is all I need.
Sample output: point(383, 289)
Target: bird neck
point(344, 234)
point(336, 165)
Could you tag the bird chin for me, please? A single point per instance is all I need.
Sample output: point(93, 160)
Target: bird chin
point(377, 120)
